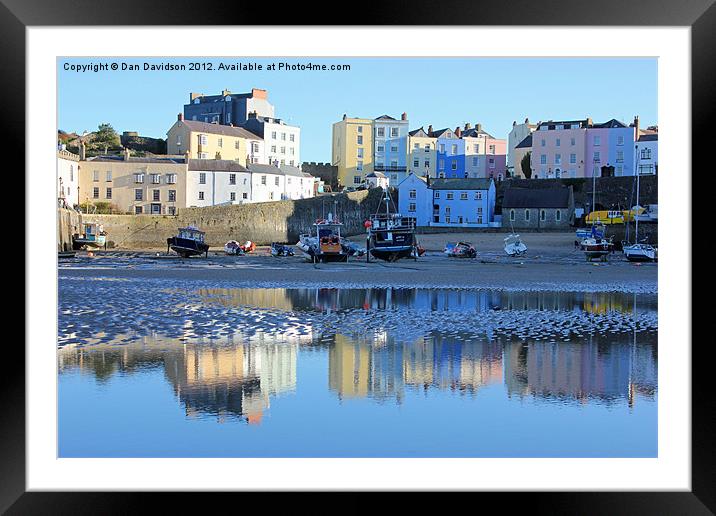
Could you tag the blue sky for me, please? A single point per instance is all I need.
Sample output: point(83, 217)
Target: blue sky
point(444, 92)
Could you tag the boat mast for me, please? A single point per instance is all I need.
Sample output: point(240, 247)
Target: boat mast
point(636, 218)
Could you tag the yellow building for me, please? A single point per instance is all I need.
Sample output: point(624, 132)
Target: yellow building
point(214, 141)
point(151, 185)
point(353, 150)
point(422, 158)
point(349, 368)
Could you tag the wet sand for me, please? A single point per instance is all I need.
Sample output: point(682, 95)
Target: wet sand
point(551, 263)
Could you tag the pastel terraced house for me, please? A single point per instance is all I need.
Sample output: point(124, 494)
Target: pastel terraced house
point(422, 157)
point(352, 150)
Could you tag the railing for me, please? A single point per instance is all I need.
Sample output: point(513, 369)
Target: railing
point(379, 168)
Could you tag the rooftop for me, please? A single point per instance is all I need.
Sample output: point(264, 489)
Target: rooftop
point(557, 197)
point(217, 165)
point(285, 170)
point(526, 143)
point(157, 158)
point(224, 130)
point(461, 184)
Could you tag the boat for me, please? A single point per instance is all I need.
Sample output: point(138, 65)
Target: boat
point(93, 235)
point(390, 235)
point(460, 250)
point(281, 250)
point(650, 215)
point(514, 246)
point(233, 248)
point(189, 242)
point(326, 244)
point(597, 230)
point(638, 251)
point(597, 245)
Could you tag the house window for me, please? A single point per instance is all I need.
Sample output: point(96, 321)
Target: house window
point(411, 206)
point(137, 210)
point(380, 132)
point(283, 136)
point(453, 149)
point(557, 142)
point(475, 161)
point(393, 148)
point(273, 135)
point(427, 147)
point(356, 180)
point(453, 165)
point(95, 192)
point(596, 156)
point(527, 215)
point(155, 194)
point(437, 195)
point(597, 141)
point(558, 215)
point(543, 159)
point(492, 149)
point(512, 215)
point(271, 196)
point(95, 175)
point(573, 142)
point(172, 195)
point(273, 149)
point(543, 142)
point(620, 156)
point(244, 195)
point(108, 193)
point(442, 148)
point(413, 194)
point(283, 150)
point(276, 180)
point(109, 175)
point(360, 153)
point(171, 210)
point(254, 147)
point(558, 159)
point(360, 129)
point(203, 140)
point(201, 196)
point(156, 179)
point(171, 179)
point(492, 163)
point(221, 142)
point(478, 196)
point(463, 196)
point(416, 163)
point(232, 179)
point(292, 137)
point(138, 194)
point(645, 153)
point(236, 144)
point(202, 178)
point(360, 139)
point(542, 215)
point(393, 132)
point(620, 140)
point(572, 158)
point(427, 163)
point(449, 195)
point(232, 196)
point(359, 166)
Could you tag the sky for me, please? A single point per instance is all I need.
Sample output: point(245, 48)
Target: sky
point(442, 92)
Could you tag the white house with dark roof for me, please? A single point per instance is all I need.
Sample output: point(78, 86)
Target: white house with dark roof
point(390, 147)
point(210, 182)
point(647, 153)
point(276, 183)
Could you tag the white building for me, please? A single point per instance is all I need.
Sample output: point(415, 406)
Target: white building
point(282, 142)
point(647, 154)
point(517, 135)
point(276, 183)
point(390, 147)
point(217, 181)
point(68, 180)
point(376, 179)
point(415, 199)
point(475, 150)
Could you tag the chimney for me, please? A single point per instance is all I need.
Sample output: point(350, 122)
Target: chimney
point(259, 94)
point(636, 125)
point(457, 131)
point(344, 116)
point(224, 93)
point(83, 151)
point(125, 152)
point(467, 125)
point(430, 130)
point(404, 116)
point(527, 120)
point(193, 96)
point(180, 117)
point(589, 121)
point(478, 127)
point(514, 123)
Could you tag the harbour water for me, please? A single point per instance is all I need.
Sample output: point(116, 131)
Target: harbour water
point(225, 372)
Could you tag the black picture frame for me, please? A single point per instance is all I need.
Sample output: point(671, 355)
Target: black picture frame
point(700, 15)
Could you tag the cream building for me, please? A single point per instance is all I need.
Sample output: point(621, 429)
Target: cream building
point(353, 150)
point(421, 153)
point(67, 178)
point(152, 185)
point(214, 141)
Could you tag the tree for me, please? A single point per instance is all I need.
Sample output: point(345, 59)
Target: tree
point(105, 137)
point(526, 165)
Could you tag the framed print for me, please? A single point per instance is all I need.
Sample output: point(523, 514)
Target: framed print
point(419, 258)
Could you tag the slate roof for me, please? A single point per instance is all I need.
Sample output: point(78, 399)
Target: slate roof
point(217, 165)
point(581, 123)
point(441, 132)
point(473, 132)
point(651, 137)
point(611, 124)
point(376, 174)
point(460, 184)
point(526, 143)
point(225, 130)
point(385, 117)
point(419, 132)
point(167, 159)
point(284, 170)
point(536, 197)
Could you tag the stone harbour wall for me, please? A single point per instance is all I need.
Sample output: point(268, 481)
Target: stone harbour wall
point(68, 222)
point(263, 223)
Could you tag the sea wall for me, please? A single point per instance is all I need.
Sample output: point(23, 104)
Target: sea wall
point(68, 222)
point(263, 223)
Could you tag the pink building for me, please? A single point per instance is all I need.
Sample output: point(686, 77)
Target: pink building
point(558, 149)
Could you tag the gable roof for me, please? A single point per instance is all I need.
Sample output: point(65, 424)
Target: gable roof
point(385, 117)
point(441, 133)
point(650, 137)
point(551, 124)
point(526, 143)
point(419, 133)
point(283, 170)
point(224, 130)
point(557, 197)
point(611, 124)
point(461, 184)
point(217, 165)
point(474, 131)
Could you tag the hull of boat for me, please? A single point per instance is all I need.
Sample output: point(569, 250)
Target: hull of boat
point(79, 243)
point(186, 247)
point(392, 253)
point(640, 255)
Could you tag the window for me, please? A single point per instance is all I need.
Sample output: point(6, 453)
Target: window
point(492, 162)
point(137, 210)
point(273, 149)
point(437, 195)
point(645, 153)
point(620, 140)
point(479, 210)
point(72, 173)
point(138, 194)
point(449, 196)
point(475, 161)
point(416, 163)
point(202, 178)
point(108, 193)
point(95, 192)
point(558, 215)
point(95, 175)
point(558, 159)
point(413, 194)
point(543, 142)
point(172, 195)
point(492, 149)
point(109, 175)
point(393, 164)
point(453, 165)
point(156, 179)
point(360, 128)
point(380, 148)
point(393, 132)
point(283, 150)
point(221, 142)
point(232, 179)
point(283, 136)
point(527, 215)
point(203, 155)
point(232, 196)
point(543, 159)
point(572, 158)
point(360, 153)
point(171, 210)
point(512, 215)
point(273, 135)
point(271, 196)
point(453, 149)
point(203, 140)
point(542, 215)
point(620, 156)
point(427, 147)
point(442, 148)
point(573, 142)
point(380, 132)
point(393, 148)
point(411, 206)
point(155, 195)
point(360, 139)
point(427, 163)
point(254, 147)
point(596, 156)
point(557, 142)
point(245, 195)
point(236, 144)
point(416, 146)
point(359, 166)
point(201, 196)
point(276, 180)
point(356, 180)
point(476, 148)
point(171, 179)
point(463, 196)
point(478, 196)
point(597, 141)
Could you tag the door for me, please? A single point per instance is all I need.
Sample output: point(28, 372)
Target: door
point(156, 208)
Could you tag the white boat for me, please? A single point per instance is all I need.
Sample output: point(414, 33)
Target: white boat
point(514, 246)
point(93, 235)
point(638, 251)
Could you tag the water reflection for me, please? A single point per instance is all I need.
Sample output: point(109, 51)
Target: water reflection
point(331, 299)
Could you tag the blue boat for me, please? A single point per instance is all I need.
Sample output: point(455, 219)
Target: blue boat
point(189, 242)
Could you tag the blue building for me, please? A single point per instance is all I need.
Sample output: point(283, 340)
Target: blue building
point(450, 153)
point(415, 199)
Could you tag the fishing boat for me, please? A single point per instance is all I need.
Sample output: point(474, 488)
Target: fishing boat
point(597, 230)
point(390, 235)
point(514, 245)
point(596, 245)
point(460, 250)
point(189, 242)
point(638, 251)
point(325, 245)
point(92, 235)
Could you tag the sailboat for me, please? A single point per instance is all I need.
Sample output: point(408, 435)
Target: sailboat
point(638, 252)
point(390, 235)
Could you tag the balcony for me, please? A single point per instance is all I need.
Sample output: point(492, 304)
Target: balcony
point(388, 168)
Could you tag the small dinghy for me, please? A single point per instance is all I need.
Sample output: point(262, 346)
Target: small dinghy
point(514, 246)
